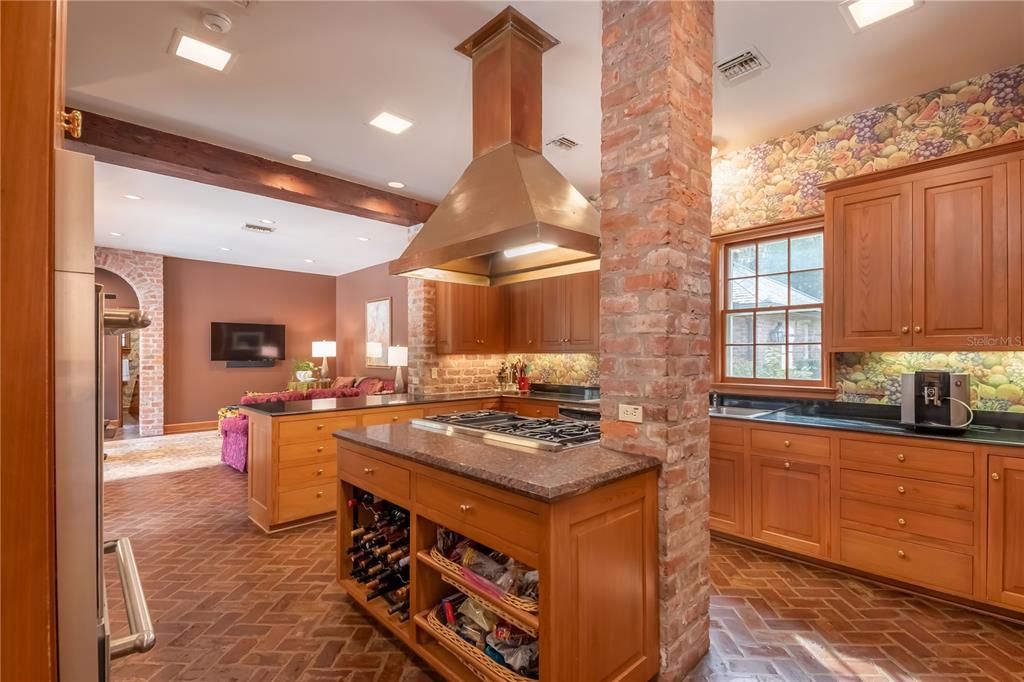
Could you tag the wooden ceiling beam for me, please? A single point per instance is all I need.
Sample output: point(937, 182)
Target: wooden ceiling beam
point(134, 146)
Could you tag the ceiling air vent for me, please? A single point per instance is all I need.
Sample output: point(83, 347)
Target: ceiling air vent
point(564, 143)
point(742, 65)
point(258, 229)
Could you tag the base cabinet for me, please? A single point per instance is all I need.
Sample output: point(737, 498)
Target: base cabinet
point(790, 504)
point(726, 477)
point(1006, 530)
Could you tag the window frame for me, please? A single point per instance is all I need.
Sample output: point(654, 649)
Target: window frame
point(797, 388)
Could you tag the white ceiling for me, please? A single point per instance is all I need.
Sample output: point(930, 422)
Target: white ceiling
point(309, 75)
point(190, 220)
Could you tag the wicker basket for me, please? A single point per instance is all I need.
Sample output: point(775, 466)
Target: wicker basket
point(476, 660)
point(518, 622)
point(515, 602)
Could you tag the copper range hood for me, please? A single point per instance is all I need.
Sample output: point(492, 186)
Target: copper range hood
point(511, 216)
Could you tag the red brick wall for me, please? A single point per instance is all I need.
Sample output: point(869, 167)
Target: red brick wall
point(655, 283)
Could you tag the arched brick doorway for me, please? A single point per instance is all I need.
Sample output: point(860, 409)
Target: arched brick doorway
point(145, 273)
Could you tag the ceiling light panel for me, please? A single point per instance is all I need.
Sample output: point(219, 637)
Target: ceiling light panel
point(860, 14)
point(195, 50)
point(391, 123)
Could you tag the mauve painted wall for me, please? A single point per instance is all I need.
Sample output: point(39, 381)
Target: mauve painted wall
point(353, 291)
point(197, 293)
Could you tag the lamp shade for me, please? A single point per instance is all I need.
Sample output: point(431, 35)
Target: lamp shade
point(398, 356)
point(374, 349)
point(324, 349)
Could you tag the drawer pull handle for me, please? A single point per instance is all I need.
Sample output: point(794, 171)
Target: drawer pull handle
point(786, 443)
point(901, 521)
point(786, 465)
point(901, 554)
point(901, 457)
point(905, 330)
point(995, 476)
point(319, 472)
point(319, 427)
point(900, 489)
point(320, 449)
point(464, 508)
point(368, 471)
point(319, 493)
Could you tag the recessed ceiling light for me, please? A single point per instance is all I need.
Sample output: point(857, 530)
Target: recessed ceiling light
point(309, 260)
point(197, 51)
point(396, 185)
point(133, 197)
point(860, 14)
point(115, 234)
point(304, 158)
point(391, 123)
point(224, 248)
point(363, 239)
point(266, 221)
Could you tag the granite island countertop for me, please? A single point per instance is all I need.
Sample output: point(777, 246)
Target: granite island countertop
point(294, 407)
point(539, 474)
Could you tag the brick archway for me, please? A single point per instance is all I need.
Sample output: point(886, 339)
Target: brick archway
point(145, 273)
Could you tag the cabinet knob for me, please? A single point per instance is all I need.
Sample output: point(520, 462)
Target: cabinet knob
point(917, 329)
point(320, 449)
point(368, 471)
point(901, 554)
point(786, 443)
point(901, 521)
point(904, 330)
point(901, 457)
point(319, 493)
point(995, 476)
point(319, 427)
point(786, 465)
point(900, 489)
point(394, 419)
point(319, 472)
point(464, 508)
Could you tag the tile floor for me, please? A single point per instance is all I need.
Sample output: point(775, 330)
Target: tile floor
point(232, 604)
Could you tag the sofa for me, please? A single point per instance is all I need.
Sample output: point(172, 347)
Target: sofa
point(234, 426)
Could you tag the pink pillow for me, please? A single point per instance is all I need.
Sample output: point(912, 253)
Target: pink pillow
point(343, 382)
point(343, 392)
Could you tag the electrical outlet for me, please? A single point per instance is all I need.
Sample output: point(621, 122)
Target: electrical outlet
point(434, 373)
point(631, 413)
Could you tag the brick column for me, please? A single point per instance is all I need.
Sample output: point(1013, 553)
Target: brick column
point(655, 284)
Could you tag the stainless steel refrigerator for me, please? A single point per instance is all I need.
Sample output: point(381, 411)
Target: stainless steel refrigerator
point(85, 645)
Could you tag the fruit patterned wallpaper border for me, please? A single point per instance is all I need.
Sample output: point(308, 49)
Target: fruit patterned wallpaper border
point(997, 377)
point(778, 180)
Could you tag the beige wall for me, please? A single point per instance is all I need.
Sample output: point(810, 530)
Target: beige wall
point(197, 293)
point(353, 291)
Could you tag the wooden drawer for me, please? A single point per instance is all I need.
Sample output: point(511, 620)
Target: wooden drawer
point(305, 430)
point(915, 460)
point(536, 409)
point(725, 434)
point(920, 523)
point(449, 408)
point(900, 490)
point(788, 443)
point(930, 566)
point(397, 417)
point(375, 475)
point(290, 478)
point(514, 524)
point(306, 453)
point(310, 501)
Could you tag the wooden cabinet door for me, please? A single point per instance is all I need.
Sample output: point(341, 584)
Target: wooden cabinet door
point(870, 234)
point(1005, 530)
point(523, 319)
point(489, 305)
point(470, 319)
point(552, 314)
point(726, 492)
point(790, 504)
point(582, 314)
point(960, 258)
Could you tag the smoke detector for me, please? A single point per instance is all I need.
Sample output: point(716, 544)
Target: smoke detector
point(217, 22)
point(259, 229)
point(564, 143)
point(742, 65)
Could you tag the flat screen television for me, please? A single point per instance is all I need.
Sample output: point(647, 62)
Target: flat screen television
point(240, 341)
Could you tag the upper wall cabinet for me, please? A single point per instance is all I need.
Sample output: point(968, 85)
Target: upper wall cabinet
point(569, 313)
point(470, 319)
point(928, 257)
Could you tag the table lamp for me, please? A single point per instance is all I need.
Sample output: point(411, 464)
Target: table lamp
point(398, 357)
point(324, 349)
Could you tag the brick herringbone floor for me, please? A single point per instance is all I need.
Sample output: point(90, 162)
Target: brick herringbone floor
point(233, 604)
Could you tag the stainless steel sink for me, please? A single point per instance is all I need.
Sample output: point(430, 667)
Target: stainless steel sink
point(732, 411)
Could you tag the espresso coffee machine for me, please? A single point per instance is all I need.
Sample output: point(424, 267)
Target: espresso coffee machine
point(936, 400)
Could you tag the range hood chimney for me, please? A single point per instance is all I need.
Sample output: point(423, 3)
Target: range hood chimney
point(511, 217)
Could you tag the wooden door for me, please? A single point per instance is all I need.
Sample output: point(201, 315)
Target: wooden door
point(523, 320)
point(1005, 530)
point(960, 259)
point(870, 234)
point(582, 302)
point(726, 492)
point(489, 306)
point(789, 504)
point(456, 311)
point(552, 314)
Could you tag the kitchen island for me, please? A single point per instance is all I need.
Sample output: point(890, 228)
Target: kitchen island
point(584, 518)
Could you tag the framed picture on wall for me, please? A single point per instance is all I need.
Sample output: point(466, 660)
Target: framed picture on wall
point(378, 332)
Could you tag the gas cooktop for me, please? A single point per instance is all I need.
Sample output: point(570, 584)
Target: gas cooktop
point(509, 428)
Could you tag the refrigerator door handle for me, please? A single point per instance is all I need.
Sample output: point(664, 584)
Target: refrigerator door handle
point(142, 637)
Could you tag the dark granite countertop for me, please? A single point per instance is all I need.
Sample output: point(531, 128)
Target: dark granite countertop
point(294, 407)
point(991, 428)
point(542, 475)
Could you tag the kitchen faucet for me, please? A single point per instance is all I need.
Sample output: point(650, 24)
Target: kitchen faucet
point(715, 400)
